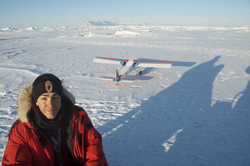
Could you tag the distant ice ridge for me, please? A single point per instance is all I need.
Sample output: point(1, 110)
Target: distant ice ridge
point(7, 29)
point(10, 29)
point(31, 29)
point(129, 25)
point(111, 23)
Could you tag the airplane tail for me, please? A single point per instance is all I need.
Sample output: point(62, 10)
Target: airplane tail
point(118, 78)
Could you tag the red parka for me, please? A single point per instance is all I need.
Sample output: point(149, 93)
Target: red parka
point(30, 147)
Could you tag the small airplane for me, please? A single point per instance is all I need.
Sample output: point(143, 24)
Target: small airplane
point(129, 66)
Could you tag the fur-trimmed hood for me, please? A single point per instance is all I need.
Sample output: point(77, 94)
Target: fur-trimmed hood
point(24, 103)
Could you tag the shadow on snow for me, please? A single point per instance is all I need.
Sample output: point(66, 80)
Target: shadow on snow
point(180, 126)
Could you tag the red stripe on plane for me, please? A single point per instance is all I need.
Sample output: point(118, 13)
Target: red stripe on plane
point(113, 59)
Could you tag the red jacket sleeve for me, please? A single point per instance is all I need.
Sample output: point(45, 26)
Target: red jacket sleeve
point(94, 149)
point(92, 144)
point(17, 151)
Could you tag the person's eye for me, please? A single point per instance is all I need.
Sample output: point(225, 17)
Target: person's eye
point(55, 97)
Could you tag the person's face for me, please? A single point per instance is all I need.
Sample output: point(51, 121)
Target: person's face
point(49, 104)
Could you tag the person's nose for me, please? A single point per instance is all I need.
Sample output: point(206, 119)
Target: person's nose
point(50, 103)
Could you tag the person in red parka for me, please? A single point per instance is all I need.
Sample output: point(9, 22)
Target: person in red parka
point(51, 129)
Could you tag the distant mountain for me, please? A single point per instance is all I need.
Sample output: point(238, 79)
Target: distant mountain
point(111, 23)
point(100, 23)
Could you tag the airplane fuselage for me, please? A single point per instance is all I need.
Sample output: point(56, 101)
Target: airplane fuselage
point(128, 68)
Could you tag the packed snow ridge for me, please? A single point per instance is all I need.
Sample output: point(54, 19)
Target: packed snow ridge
point(125, 33)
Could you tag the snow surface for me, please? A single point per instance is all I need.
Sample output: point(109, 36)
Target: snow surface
point(195, 113)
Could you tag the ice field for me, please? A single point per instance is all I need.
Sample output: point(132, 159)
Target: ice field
point(194, 114)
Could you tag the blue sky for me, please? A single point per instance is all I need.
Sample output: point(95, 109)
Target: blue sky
point(57, 13)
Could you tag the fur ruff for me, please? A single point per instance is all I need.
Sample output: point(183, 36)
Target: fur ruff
point(24, 103)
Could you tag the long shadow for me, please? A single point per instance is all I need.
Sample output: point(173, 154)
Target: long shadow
point(238, 120)
point(244, 101)
point(178, 126)
point(232, 129)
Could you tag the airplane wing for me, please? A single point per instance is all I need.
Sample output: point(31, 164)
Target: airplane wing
point(114, 61)
point(152, 63)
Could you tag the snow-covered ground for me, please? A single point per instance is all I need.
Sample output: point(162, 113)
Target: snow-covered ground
point(195, 113)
